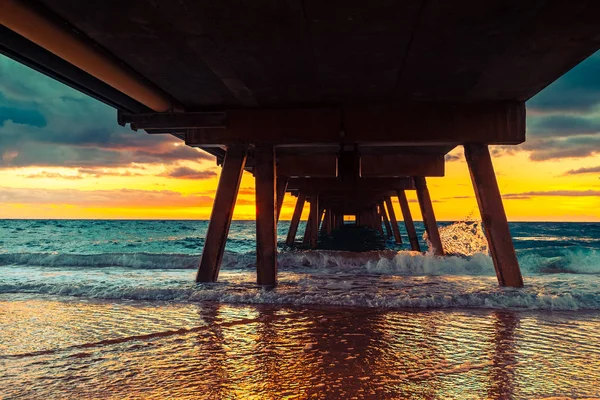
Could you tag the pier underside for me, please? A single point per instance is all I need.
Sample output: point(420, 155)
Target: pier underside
point(344, 105)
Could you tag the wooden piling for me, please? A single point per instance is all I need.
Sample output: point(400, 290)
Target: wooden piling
point(315, 219)
point(493, 215)
point(266, 215)
point(408, 221)
point(282, 182)
point(306, 238)
point(386, 221)
point(220, 217)
point(393, 220)
point(291, 237)
point(428, 215)
point(378, 220)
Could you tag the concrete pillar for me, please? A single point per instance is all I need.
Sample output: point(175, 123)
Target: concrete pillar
point(428, 215)
point(408, 221)
point(220, 217)
point(291, 237)
point(266, 215)
point(393, 220)
point(493, 215)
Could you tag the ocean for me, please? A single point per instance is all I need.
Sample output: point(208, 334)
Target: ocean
point(109, 309)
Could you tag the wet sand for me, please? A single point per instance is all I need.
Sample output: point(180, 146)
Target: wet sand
point(60, 347)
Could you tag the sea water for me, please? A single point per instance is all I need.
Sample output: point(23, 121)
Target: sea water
point(101, 309)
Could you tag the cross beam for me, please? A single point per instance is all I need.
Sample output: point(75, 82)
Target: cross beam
point(425, 123)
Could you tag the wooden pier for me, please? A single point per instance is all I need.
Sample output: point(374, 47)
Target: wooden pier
point(345, 105)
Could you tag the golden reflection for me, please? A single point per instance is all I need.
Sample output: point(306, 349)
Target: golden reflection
point(504, 356)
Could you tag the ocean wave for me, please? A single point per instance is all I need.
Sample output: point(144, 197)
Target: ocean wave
point(387, 262)
point(335, 290)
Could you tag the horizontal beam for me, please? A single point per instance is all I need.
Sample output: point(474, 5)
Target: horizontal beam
point(316, 185)
point(390, 165)
point(318, 165)
point(428, 124)
point(180, 120)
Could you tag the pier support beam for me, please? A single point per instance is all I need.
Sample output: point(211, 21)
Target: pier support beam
point(313, 222)
point(291, 237)
point(393, 220)
point(386, 221)
point(266, 215)
point(408, 221)
point(428, 215)
point(220, 217)
point(378, 220)
point(282, 182)
point(493, 215)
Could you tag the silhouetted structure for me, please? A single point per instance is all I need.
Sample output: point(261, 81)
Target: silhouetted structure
point(345, 104)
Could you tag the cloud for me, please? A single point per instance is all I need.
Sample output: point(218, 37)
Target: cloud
point(46, 123)
point(562, 125)
point(190, 173)
point(577, 91)
point(556, 148)
point(104, 198)
point(452, 157)
point(591, 170)
point(554, 193)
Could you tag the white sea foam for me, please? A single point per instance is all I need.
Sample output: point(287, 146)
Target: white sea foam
point(386, 262)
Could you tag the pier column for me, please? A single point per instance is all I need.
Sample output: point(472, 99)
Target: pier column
point(328, 221)
point(493, 215)
point(220, 217)
point(386, 221)
point(291, 237)
point(408, 221)
point(306, 238)
point(314, 220)
point(393, 220)
point(428, 216)
point(266, 215)
point(282, 182)
point(378, 220)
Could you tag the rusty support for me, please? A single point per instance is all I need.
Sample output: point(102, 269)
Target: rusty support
point(428, 216)
point(266, 215)
point(220, 217)
point(408, 221)
point(493, 215)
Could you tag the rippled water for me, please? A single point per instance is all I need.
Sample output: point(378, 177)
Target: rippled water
point(108, 309)
point(61, 348)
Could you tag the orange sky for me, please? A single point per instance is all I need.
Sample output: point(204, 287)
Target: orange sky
point(143, 193)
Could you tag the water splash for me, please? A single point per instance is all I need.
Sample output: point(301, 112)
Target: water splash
point(463, 238)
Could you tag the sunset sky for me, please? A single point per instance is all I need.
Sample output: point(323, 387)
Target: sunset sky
point(62, 155)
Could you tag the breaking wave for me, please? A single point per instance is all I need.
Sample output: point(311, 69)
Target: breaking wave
point(575, 261)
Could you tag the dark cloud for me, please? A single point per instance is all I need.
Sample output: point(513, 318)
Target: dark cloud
point(562, 147)
point(452, 157)
point(591, 170)
point(46, 123)
point(21, 116)
point(190, 173)
point(562, 125)
point(577, 91)
point(554, 193)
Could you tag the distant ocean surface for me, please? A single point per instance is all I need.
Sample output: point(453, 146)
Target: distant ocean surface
point(109, 309)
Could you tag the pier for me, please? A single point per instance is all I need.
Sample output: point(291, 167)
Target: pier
point(344, 105)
